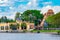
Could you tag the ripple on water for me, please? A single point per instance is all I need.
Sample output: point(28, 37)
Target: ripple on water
point(28, 36)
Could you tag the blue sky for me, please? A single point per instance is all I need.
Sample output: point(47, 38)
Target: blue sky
point(10, 7)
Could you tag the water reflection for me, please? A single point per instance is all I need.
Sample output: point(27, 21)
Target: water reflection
point(28, 36)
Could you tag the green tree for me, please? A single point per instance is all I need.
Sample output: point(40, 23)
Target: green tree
point(3, 19)
point(54, 20)
point(17, 15)
point(23, 26)
point(6, 20)
point(10, 20)
point(17, 25)
point(14, 26)
point(31, 15)
point(0, 20)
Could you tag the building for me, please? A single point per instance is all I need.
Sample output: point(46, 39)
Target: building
point(29, 26)
point(48, 13)
point(6, 26)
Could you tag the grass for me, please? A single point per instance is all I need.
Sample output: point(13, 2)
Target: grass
point(48, 30)
point(45, 30)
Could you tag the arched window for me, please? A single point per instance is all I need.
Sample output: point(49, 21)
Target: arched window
point(31, 26)
point(6, 27)
point(23, 26)
point(2, 27)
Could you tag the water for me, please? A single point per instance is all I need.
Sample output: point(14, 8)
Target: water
point(28, 36)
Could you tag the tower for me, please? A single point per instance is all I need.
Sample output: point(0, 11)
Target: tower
point(49, 13)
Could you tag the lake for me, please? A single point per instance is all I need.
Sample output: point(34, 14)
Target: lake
point(28, 36)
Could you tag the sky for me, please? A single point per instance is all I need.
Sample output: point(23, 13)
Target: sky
point(10, 7)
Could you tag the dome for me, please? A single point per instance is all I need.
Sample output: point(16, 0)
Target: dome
point(50, 12)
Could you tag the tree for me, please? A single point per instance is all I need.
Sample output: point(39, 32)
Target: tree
point(17, 15)
point(14, 26)
point(0, 20)
point(54, 20)
point(3, 19)
point(23, 26)
point(17, 25)
point(6, 20)
point(31, 15)
point(10, 20)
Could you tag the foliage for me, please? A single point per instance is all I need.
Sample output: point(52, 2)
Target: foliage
point(58, 32)
point(54, 20)
point(17, 15)
point(35, 31)
point(6, 20)
point(14, 26)
point(23, 25)
point(3, 19)
point(31, 15)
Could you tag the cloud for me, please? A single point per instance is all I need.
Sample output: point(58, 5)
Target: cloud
point(29, 3)
point(10, 15)
point(47, 3)
point(10, 7)
point(3, 2)
point(7, 9)
point(56, 9)
point(32, 4)
point(45, 9)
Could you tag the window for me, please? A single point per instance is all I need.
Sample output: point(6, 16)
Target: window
point(31, 26)
point(6, 27)
point(2, 27)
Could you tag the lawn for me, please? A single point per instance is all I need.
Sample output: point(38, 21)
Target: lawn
point(45, 30)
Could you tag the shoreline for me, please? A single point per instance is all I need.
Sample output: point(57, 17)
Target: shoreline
point(31, 32)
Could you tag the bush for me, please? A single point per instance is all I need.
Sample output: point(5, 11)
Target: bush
point(13, 26)
point(23, 25)
point(58, 32)
point(24, 31)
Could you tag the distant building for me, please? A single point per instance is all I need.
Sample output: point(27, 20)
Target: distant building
point(6, 26)
point(49, 13)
